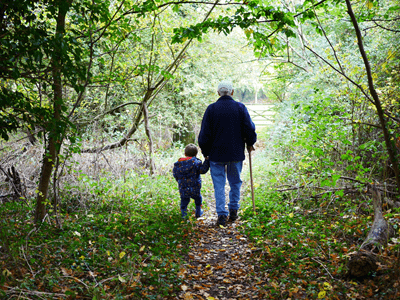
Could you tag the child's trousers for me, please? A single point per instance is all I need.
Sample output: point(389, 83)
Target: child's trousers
point(198, 200)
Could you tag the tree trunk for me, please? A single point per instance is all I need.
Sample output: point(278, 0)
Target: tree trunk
point(364, 261)
point(390, 146)
point(54, 136)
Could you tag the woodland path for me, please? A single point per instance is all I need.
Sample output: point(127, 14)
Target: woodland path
point(219, 264)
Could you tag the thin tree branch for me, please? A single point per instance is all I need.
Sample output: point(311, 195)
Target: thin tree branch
point(330, 44)
point(388, 29)
point(148, 133)
point(344, 75)
point(116, 108)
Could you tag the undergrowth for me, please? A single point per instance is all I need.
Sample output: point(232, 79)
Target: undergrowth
point(127, 242)
point(302, 244)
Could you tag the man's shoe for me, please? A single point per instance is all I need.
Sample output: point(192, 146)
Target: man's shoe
point(221, 220)
point(233, 215)
point(199, 212)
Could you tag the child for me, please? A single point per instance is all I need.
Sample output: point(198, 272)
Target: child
point(187, 172)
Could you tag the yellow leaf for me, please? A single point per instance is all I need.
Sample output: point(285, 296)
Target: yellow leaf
point(122, 254)
point(321, 294)
point(370, 4)
point(108, 253)
point(327, 286)
point(210, 298)
point(248, 32)
point(122, 279)
point(142, 248)
point(291, 215)
point(82, 257)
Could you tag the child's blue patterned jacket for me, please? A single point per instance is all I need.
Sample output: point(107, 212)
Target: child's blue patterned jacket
point(187, 172)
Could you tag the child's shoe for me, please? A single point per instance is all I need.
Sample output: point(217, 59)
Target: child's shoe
point(199, 212)
point(184, 213)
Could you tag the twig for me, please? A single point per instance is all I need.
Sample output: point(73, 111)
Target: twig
point(15, 290)
point(104, 280)
point(91, 273)
point(316, 260)
point(30, 268)
point(77, 279)
point(11, 181)
point(29, 234)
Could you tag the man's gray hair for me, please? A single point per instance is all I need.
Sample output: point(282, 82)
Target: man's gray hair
point(225, 87)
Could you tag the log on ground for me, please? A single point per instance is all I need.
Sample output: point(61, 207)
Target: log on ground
point(365, 261)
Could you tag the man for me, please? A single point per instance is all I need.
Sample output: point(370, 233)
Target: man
point(225, 131)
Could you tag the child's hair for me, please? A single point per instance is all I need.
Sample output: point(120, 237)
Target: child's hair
point(191, 150)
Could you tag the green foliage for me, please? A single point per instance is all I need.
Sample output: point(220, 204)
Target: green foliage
point(245, 17)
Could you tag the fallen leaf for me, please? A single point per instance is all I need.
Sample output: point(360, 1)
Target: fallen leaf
point(327, 286)
point(188, 296)
point(66, 272)
point(184, 287)
point(321, 294)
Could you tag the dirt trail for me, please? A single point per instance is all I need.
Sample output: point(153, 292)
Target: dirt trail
point(219, 264)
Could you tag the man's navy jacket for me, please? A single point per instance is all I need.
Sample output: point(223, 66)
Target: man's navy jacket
point(225, 130)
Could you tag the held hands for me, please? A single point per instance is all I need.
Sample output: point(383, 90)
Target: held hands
point(250, 148)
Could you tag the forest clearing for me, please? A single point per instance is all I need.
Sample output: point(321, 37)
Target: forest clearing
point(98, 100)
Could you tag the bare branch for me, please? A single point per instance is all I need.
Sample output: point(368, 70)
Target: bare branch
point(116, 108)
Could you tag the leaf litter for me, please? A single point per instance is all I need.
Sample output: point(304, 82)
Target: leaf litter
point(220, 263)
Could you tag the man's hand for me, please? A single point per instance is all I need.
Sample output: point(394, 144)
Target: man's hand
point(250, 148)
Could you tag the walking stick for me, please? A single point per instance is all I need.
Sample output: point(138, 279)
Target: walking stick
point(251, 183)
